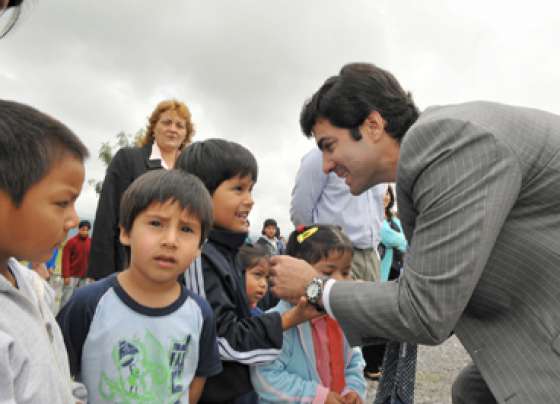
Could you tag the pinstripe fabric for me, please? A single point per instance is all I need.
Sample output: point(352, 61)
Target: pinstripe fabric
point(194, 281)
point(478, 187)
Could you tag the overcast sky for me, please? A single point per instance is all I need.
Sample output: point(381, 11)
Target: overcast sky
point(245, 67)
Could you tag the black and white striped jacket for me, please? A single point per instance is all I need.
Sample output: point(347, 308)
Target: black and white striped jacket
point(242, 340)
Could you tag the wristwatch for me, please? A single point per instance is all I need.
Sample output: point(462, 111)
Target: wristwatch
point(314, 291)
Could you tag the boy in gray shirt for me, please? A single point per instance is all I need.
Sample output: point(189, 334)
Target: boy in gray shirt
point(41, 176)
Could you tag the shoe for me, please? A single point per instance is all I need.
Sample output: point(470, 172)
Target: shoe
point(372, 375)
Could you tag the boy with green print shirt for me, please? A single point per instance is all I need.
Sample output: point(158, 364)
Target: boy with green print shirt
point(139, 335)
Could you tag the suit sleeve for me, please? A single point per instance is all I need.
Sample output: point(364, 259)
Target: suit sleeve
point(309, 184)
point(249, 340)
point(104, 254)
point(462, 184)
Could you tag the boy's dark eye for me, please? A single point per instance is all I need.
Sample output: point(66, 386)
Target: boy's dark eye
point(186, 229)
point(63, 204)
point(154, 223)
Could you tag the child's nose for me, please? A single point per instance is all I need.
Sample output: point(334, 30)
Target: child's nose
point(249, 199)
point(170, 237)
point(72, 220)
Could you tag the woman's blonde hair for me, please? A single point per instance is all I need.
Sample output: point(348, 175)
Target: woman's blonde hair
point(164, 106)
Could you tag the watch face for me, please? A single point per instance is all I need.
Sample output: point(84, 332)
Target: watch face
point(313, 291)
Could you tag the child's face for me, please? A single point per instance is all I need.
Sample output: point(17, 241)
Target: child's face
point(232, 202)
point(163, 241)
point(256, 279)
point(45, 215)
point(270, 231)
point(337, 265)
point(84, 231)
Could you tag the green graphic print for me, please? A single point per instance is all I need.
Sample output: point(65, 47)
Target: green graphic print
point(146, 372)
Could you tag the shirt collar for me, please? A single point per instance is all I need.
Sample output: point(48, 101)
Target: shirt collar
point(156, 155)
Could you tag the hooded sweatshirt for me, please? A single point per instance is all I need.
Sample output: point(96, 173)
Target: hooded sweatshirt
point(33, 359)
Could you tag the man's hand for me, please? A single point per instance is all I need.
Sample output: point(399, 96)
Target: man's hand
point(351, 398)
point(334, 398)
point(290, 276)
point(66, 281)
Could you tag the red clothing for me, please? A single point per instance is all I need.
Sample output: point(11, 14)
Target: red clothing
point(75, 257)
point(328, 344)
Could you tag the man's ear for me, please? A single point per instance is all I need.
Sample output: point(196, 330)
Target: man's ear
point(124, 237)
point(373, 126)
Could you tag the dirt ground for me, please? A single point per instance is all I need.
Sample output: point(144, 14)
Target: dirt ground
point(436, 369)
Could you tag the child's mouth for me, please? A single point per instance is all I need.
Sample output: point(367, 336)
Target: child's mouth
point(165, 261)
point(242, 215)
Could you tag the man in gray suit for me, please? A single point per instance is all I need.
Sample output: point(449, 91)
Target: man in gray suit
point(478, 186)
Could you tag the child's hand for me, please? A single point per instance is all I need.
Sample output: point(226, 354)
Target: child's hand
point(334, 398)
point(307, 311)
point(300, 313)
point(351, 398)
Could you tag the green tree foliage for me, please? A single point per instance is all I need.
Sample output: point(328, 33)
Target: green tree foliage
point(107, 151)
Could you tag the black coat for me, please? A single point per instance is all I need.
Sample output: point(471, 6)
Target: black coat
point(107, 255)
point(243, 340)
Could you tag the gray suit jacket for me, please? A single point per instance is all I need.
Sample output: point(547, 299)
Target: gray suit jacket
point(478, 188)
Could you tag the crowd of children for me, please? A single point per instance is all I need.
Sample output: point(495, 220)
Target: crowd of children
point(144, 334)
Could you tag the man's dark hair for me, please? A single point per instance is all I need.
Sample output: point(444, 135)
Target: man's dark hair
point(347, 100)
point(217, 160)
point(160, 186)
point(30, 144)
point(319, 243)
point(250, 255)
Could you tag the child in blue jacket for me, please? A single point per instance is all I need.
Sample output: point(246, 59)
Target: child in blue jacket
point(316, 364)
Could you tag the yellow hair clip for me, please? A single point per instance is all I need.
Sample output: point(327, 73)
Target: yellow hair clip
point(306, 234)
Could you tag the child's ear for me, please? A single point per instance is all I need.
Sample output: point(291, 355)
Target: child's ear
point(124, 236)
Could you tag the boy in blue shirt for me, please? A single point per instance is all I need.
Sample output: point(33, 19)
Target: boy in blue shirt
point(41, 176)
point(139, 335)
point(229, 171)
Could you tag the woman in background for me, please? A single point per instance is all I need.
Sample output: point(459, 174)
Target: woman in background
point(169, 131)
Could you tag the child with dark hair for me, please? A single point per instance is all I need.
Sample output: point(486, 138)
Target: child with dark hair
point(229, 172)
point(140, 335)
point(41, 176)
point(255, 267)
point(316, 365)
point(268, 239)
